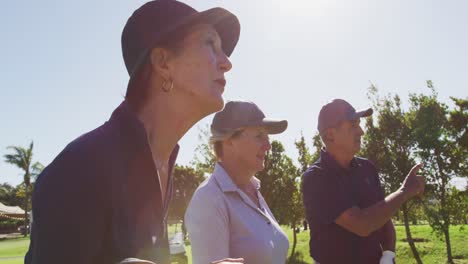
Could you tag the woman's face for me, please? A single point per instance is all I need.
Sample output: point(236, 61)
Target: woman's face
point(251, 147)
point(197, 70)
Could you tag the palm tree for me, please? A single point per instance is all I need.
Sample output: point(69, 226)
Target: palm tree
point(22, 158)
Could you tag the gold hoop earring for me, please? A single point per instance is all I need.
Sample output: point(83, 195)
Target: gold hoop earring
point(165, 89)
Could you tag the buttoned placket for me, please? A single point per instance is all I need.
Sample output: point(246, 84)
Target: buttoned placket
point(166, 198)
point(226, 184)
point(249, 202)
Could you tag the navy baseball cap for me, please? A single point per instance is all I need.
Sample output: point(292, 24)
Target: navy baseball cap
point(156, 20)
point(239, 114)
point(338, 110)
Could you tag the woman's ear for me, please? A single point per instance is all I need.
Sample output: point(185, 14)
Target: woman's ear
point(228, 142)
point(229, 145)
point(159, 58)
point(329, 135)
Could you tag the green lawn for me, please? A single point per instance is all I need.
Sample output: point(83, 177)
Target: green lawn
point(432, 250)
point(12, 251)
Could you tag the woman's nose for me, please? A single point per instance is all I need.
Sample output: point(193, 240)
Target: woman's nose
point(225, 64)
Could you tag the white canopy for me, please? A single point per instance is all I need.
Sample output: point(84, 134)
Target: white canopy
point(11, 210)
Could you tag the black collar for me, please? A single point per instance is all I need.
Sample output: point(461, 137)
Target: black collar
point(133, 130)
point(329, 162)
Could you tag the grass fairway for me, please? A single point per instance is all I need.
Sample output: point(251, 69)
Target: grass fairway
point(432, 250)
point(13, 250)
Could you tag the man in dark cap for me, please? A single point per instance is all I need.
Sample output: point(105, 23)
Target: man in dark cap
point(349, 216)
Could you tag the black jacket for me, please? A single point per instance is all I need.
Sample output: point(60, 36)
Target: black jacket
point(100, 201)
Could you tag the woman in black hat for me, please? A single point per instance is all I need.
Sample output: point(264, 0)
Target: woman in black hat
point(227, 216)
point(105, 197)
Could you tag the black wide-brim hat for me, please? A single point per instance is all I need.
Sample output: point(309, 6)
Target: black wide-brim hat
point(154, 21)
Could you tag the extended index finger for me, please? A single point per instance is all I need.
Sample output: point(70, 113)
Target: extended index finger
point(415, 169)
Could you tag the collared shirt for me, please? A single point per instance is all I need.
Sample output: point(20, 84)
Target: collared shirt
point(329, 190)
point(100, 200)
point(222, 221)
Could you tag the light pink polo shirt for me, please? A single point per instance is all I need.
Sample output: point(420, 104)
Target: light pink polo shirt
point(223, 222)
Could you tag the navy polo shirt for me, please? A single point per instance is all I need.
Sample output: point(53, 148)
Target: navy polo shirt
point(329, 190)
point(100, 200)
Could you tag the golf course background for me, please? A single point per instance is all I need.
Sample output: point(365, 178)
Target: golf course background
point(430, 247)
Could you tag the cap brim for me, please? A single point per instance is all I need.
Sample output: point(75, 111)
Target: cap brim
point(275, 126)
point(226, 24)
point(363, 113)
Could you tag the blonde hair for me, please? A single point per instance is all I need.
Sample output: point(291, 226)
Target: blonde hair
point(217, 138)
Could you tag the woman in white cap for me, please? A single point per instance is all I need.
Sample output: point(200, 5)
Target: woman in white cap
point(105, 198)
point(227, 216)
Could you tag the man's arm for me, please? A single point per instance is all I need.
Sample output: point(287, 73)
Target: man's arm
point(388, 237)
point(365, 221)
point(388, 241)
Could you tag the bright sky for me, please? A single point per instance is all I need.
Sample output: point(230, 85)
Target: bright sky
point(62, 71)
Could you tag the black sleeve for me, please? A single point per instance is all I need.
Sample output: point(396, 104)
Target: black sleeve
point(324, 199)
point(69, 213)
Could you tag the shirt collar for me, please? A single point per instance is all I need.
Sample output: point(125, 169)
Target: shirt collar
point(256, 182)
point(136, 141)
point(225, 182)
point(330, 163)
point(134, 130)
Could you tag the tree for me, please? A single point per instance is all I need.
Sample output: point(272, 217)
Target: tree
point(204, 160)
point(389, 144)
point(458, 205)
point(305, 158)
point(442, 152)
point(8, 195)
point(458, 128)
point(318, 145)
point(186, 181)
point(280, 179)
point(23, 159)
